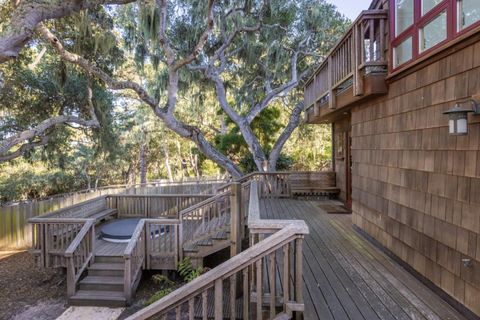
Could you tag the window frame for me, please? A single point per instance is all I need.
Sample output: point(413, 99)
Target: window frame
point(419, 21)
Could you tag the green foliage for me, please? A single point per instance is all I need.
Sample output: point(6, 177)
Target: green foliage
point(122, 41)
point(187, 271)
point(25, 181)
point(162, 280)
point(158, 295)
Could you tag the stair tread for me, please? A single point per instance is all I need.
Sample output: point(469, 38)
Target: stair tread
point(99, 295)
point(107, 266)
point(222, 235)
point(205, 242)
point(190, 248)
point(102, 280)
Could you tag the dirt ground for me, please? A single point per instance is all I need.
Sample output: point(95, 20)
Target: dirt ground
point(28, 292)
point(146, 289)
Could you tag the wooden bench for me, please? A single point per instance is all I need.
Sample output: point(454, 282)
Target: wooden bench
point(96, 209)
point(316, 184)
point(103, 215)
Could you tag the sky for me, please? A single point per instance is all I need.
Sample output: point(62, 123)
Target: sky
point(351, 8)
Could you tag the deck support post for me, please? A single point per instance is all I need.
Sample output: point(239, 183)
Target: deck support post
point(235, 219)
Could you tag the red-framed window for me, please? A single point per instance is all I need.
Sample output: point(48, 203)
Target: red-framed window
point(419, 26)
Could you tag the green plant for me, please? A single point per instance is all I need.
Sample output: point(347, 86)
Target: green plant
point(158, 295)
point(162, 280)
point(187, 271)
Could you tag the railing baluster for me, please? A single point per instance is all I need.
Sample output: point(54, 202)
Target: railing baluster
point(178, 313)
point(286, 277)
point(272, 276)
point(218, 299)
point(246, 294)
point(191, 311)
point(233, 294)
point(258, 288)
point(205, 304)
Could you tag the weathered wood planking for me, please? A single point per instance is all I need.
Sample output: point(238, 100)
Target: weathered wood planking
point(346, 277)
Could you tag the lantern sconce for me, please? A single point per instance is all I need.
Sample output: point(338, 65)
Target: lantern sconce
point(458, 117)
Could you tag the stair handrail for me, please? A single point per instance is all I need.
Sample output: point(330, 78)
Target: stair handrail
point(134, 258)
point(287, 234)
point(79, 254)
point(202, 221)
point(210, 279)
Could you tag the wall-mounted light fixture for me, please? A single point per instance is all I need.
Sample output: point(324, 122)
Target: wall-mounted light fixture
point(458, 117)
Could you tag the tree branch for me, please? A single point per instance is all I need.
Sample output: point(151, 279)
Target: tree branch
point(280, 90)
point(284, 136)
point(41, 128)
point(165, 114)
point(29, 13)
point(95, 71)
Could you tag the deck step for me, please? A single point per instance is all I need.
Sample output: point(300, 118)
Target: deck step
point(108, 259)
point(190, 248)
point(106, 269)
point(101, 283)
point(205, 242)
point(98, 298)
point(282, 316)
point(222, 235)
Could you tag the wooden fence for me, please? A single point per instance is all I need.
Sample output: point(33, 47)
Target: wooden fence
point(16, 234)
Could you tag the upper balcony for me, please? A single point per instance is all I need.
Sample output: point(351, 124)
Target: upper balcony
point(354, 69)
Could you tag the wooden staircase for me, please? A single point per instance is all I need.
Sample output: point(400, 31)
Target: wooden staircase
point(103, 284)
point(198, 250)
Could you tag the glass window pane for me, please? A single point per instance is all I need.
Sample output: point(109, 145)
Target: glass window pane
point(403, 52)
point(433, 32)
point(468, 13)
point(428, 5)
point(403, 15)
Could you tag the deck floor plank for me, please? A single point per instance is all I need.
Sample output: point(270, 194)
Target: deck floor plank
point(110, 249)
point(346, 277)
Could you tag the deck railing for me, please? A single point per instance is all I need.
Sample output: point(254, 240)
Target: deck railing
point(16, 233)
point(359, 52)
point(52, 237)
point(153, 206)
point(134, 259)
point(79, 254)
point(270, 184)
point(206, 218)
point(163, 244)
point(282, 250)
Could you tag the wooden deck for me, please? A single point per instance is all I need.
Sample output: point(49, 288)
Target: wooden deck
point(345, 277)
point(109, 249)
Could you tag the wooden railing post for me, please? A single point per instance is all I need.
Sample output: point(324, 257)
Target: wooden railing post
point(92, 242)
point(298, 274)
point(331, 92)
point(235, 219)
point(127, 290)
point(71, 285)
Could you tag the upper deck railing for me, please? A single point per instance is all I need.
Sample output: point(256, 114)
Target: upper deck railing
point(361, 51)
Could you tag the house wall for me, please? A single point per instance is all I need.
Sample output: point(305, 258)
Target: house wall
point(339, 145)
point(416, 189)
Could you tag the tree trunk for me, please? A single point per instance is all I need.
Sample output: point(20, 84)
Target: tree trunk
point(143, 164)
point(167, 164)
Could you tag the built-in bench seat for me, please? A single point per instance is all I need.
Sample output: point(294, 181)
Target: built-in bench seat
point(313, 184)
point(96, 209)
point(103, 215)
